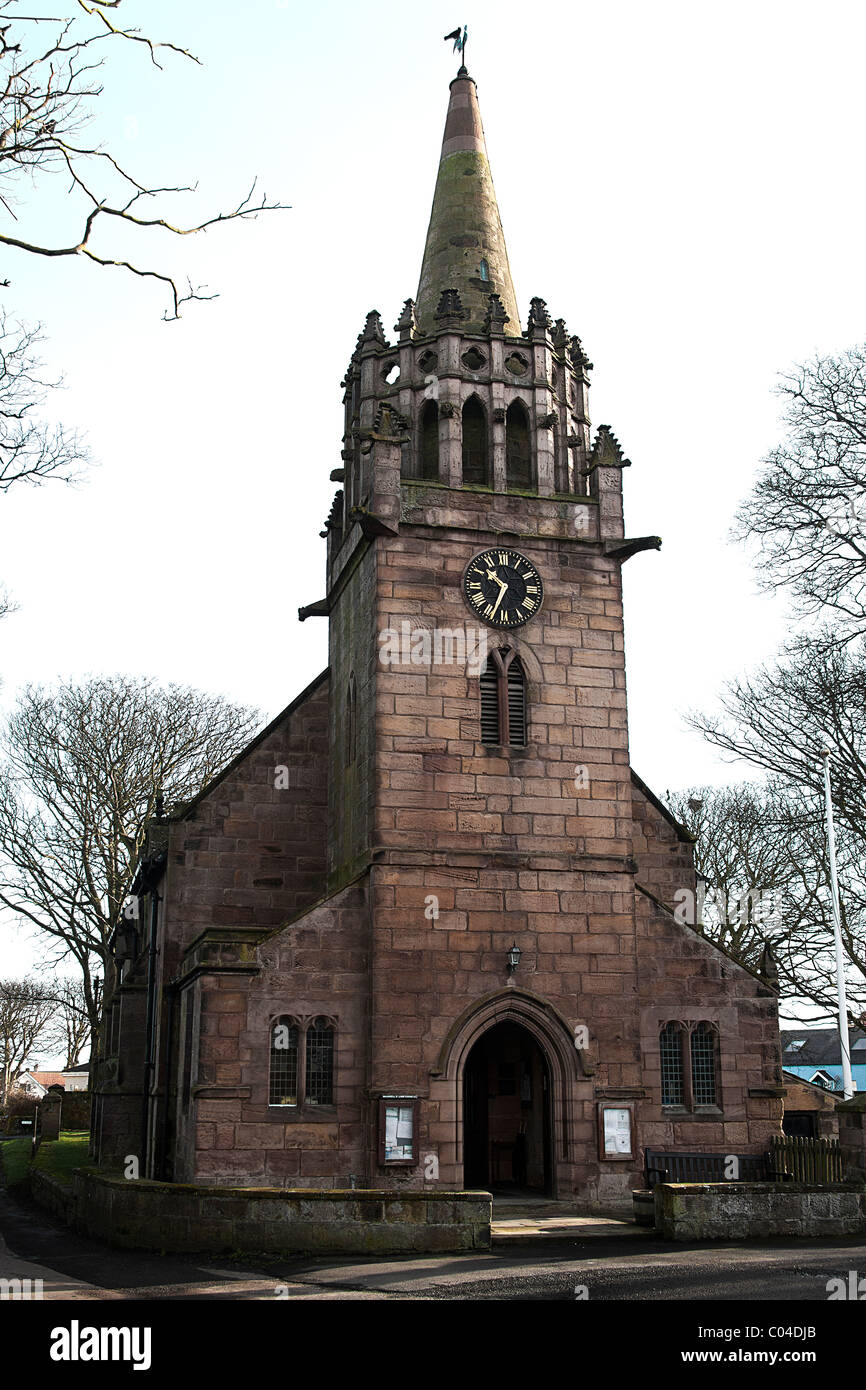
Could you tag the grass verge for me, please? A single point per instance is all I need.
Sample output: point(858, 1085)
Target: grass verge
point(15, 1158)
point(57, 1157)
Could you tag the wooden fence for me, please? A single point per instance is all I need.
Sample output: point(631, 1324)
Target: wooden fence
point(806, 1160)
point(789, 1159)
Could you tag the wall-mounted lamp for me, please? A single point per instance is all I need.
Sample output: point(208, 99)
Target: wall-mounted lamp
point(513, 958)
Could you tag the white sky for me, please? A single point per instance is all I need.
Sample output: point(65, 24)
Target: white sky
point(682, 184)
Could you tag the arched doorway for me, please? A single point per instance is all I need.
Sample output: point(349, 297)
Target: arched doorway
point(507, 1112)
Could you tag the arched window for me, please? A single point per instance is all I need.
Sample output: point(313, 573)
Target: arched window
point(703, 1049)
point(301, 1063)
point(475, 466)
point(429, 455)
point(518, 453)
point(283, 1088)
point(671, 1049)
point(319, 1079)
point(503, 699)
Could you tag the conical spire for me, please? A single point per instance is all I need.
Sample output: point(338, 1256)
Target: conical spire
point(465, 248)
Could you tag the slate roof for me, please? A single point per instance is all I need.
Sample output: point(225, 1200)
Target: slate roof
point(820, 1046)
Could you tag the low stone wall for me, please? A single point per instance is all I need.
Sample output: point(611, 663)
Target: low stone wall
point(49, 1192)
point(183, 1218)
point(737, 1211)
point(75, 1110)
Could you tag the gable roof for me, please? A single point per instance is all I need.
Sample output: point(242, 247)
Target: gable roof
point(820, 1046)
point(791, 1078)
point(682, 834)
point(188, 807)
point(45, 1078)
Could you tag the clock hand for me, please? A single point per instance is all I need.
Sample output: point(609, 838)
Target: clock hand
point(503, 589)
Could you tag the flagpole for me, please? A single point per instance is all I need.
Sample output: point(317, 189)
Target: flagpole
point(847, 1080)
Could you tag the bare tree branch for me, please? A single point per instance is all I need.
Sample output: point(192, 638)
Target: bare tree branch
point(26, 1010)
point(807, 509)
point(48, 91)
point(761, 850)
point(30, 450)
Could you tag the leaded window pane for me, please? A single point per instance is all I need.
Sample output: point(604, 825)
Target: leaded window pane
point(319, 1089)
point(703, 1065)
point(670, 1046)
point(284, 1064)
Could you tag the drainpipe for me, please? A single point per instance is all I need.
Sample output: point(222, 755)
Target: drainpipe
point(170, 993)
point(149, 1028)
point(152, 873)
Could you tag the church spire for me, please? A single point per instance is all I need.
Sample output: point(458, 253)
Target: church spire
point(465, 248)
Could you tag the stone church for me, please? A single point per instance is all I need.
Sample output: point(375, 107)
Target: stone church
point(424, 931)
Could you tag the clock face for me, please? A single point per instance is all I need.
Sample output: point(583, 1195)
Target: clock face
point(503, 588)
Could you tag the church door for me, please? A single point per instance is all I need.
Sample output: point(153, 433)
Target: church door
point(506, 1113)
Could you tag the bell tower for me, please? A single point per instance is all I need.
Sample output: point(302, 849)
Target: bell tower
point(479, 746)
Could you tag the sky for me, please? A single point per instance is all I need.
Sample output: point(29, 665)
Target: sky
point(682, 184)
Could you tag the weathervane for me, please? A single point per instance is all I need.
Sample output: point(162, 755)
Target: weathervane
point(459, 44)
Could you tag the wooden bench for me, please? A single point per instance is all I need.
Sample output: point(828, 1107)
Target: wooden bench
point(663, 1166)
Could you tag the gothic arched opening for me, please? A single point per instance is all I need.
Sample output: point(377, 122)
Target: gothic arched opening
point(428, 462)
point(475, 451)
point(518, 449)
point(507, 1112)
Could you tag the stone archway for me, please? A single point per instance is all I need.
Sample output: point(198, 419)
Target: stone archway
point(558, 1077)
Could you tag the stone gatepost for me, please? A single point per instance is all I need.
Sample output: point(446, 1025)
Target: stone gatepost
point(852, 1136)
point(49, 1115)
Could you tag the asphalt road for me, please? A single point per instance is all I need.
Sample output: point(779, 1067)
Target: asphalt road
point(597, 1269)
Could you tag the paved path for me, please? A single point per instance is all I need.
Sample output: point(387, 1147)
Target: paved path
point(530, 1221)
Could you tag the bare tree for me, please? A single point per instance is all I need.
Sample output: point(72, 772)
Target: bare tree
point(85, 765)
point(30, 450)
point(26, 1010)
point(49, 83)
point(742, 862)
point(72, 1020)
point(808, 506)
point(778, 720)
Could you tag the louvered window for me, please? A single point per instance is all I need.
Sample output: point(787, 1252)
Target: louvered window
point(490, 703)
point(503, 700)
point(516, 703)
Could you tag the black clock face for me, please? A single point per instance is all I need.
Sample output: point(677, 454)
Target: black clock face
point(503, 588)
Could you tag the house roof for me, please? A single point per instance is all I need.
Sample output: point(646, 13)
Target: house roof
point(46, 1078)
point(820, 1046)
point(790, 1078)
